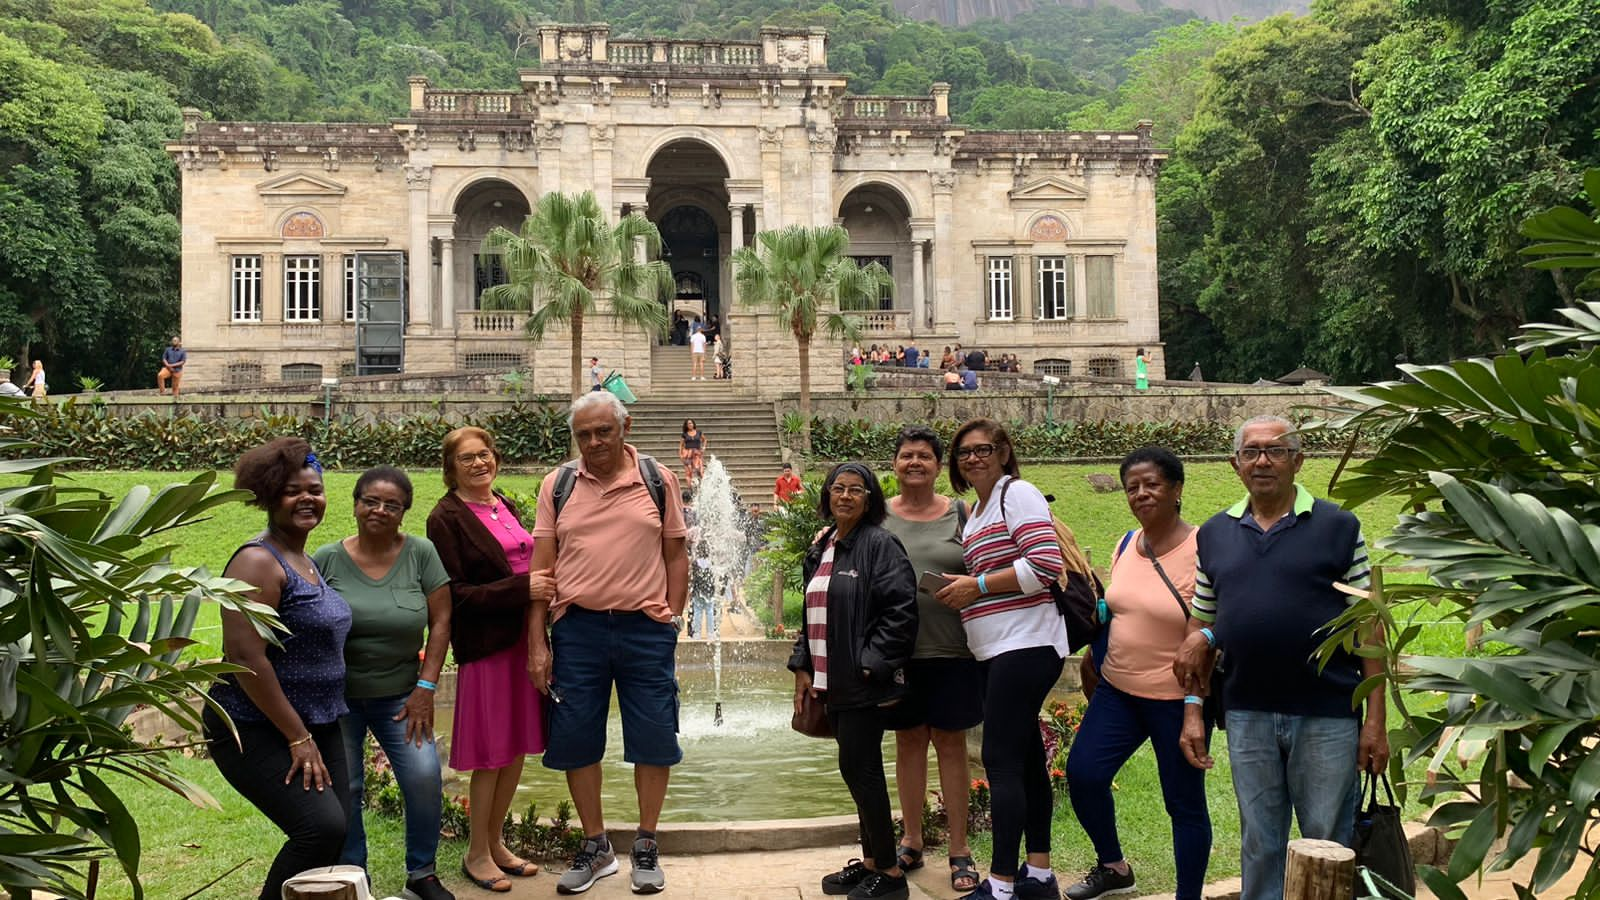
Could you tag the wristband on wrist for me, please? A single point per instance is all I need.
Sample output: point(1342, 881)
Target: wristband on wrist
point(1192, 700)
point(304, 740)
point(983, 587)
point(427, 685)
point(1211, 637)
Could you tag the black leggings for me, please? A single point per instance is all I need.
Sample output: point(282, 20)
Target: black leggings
point(860, 736)
point(1017, 683)
point(314, 821)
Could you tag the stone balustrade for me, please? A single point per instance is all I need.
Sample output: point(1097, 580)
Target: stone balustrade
point(887, 108)
point(885, 322)
point(803, 49)
point(683, 53)
point(495, 322)
point(472, 104)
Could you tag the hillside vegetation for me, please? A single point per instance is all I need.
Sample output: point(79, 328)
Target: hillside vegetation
point(1344, 186)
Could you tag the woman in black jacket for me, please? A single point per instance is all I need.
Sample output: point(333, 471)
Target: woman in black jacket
point(860, 628)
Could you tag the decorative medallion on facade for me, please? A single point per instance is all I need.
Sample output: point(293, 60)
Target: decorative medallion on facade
point(794, 50)
point(1048, 228)
point(574, 45)
point(302, 225)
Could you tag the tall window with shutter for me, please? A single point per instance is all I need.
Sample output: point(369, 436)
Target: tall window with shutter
point(1000, 295)
point(1055, 287)
point(1101, 277)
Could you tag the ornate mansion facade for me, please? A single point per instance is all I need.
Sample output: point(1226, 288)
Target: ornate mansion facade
point(318, 250)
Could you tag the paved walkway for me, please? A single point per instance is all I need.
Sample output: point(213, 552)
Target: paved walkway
point(764, 875)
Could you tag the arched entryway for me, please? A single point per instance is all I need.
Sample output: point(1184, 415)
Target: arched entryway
point(472, 267)
point(688, 202)
point(879, 222)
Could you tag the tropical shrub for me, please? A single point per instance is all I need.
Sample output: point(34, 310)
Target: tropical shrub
point(525, 433)
point(93, 620)
point(1499, 460)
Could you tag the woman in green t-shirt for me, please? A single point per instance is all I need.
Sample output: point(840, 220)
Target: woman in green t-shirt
point(399, 594)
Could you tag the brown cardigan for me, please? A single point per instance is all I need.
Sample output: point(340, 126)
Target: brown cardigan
point(490, 604)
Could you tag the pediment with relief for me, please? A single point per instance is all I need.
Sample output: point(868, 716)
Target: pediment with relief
point(300, 184)
point(1048, 190)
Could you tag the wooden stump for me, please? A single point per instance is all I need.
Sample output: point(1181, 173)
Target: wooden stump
point(320, 892)
point(1319, 870)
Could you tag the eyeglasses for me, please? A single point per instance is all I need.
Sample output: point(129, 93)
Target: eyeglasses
point(848, 490)
point(467, 459)
point(1275, 454)
point(976, 451)
point(372, 503)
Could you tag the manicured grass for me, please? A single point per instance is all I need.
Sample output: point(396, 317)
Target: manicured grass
point(186, 847)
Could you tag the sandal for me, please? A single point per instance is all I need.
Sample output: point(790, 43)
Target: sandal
point(499, 884)
point(522, 869)
point(910, 858)
point(963, 873)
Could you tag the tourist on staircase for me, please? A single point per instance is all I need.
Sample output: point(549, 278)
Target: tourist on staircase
point(859, 631)
point(692, 452)
point(1014, 630)
point(946, 685)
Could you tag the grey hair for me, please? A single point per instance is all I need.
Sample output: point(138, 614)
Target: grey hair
point(1290, 435)
point(598, 398)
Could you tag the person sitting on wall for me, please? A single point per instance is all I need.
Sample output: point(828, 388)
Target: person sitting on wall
point(969, 380)
point(952, 379)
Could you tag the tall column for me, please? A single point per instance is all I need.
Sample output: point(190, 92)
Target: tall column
point(447, 281)
point(601, 138)
point(919, 299)
point(735, 241)
point(547, 136)
point(822, 138)
point(771, 208)
point(944, 253)
point(420, 264)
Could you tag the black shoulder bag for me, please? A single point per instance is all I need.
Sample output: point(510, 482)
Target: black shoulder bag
point(1214, 709)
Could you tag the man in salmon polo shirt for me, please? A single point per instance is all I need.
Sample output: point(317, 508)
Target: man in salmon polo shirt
point(622, 576)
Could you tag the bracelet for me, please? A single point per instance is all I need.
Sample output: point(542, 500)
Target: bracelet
point(1211, 637)
point(304, 740)
point(1192, 700)
point(983, 587)
point(427, 685)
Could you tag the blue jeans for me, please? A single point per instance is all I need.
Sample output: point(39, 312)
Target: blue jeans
point(416, 771)
point(1115, 726)
point(1283, 764)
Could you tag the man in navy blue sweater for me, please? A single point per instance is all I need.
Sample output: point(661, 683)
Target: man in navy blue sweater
point(1264, 588)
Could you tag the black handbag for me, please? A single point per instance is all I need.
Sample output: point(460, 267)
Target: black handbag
point(1214, 709)
point(811, 719)
point(1381, 846)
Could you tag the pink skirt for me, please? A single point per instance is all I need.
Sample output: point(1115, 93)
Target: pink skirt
point(499, 713)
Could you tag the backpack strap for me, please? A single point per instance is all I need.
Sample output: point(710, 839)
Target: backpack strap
point(649, 472)
point(653, 482)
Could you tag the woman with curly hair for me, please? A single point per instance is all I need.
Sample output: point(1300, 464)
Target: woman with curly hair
point(289, 758)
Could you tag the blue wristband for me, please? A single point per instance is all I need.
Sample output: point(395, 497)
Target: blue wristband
point(1192, 700)
point(427, 685)
point(983, 587)
point(1211, 638)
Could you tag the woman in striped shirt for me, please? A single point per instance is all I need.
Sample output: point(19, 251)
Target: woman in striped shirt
point(1016, 634)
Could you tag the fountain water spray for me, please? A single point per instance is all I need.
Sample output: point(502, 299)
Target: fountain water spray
point(722, 549)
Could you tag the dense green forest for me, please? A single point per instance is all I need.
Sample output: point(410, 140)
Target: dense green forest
point(1344, 187)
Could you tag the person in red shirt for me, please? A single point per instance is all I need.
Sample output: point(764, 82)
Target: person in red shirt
point(787, 485)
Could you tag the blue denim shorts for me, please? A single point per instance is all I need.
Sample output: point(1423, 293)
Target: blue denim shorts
point(593, 651)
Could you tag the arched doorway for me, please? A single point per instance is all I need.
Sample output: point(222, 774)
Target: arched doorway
point(879, 223)
point(478, 210)
point(688, 201)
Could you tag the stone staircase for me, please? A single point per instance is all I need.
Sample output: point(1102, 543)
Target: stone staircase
point(741, 432)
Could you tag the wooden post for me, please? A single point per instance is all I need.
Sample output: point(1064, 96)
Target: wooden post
point(777, 599)
point(1319, 870)
point(320, 892)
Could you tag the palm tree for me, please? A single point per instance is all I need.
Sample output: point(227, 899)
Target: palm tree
point(565, 254)
point(803, 274)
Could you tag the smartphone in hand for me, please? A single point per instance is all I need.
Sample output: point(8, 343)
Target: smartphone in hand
point(932, 582)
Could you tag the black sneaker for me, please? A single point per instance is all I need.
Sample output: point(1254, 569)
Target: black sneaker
point(878, 886)
point(845, 880)
point(1101, 881)
point(426, 888)
point(1031, 888)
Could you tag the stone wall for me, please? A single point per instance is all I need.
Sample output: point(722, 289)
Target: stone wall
point(1228, 405)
